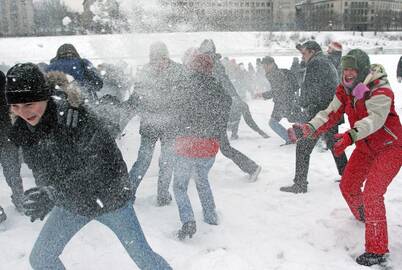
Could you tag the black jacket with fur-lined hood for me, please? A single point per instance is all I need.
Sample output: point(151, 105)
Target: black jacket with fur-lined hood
point(70, 150)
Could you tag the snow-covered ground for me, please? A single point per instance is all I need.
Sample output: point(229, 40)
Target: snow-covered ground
point(260, 227)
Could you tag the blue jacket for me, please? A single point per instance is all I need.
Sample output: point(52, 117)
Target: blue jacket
point(81, 70)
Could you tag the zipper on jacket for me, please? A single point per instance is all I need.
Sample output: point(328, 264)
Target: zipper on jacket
point(390, 133)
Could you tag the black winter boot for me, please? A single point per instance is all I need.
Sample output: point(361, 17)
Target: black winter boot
point(295, 188)
point(369, 259)
point(3, 215)
point(188, 229)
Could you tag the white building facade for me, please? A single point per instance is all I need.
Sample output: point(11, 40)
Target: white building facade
point(16, 17)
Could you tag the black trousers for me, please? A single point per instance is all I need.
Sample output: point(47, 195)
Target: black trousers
point(11, 163)
point(304, 148)
point(241, 160)
point(240, 108)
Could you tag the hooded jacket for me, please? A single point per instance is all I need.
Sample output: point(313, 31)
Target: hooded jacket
point(68, 61)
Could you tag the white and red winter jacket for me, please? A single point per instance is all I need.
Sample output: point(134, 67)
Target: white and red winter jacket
point(373, 117)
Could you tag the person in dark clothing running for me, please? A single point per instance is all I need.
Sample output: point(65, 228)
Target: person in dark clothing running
point(218, 72)
point(158, 87)
point(78, 169)
point(317, 91)
point(283, 91)
point(9, 154)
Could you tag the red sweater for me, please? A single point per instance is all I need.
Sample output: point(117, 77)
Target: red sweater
point(194, 147)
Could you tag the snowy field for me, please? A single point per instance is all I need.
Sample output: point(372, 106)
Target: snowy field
point(260, 227)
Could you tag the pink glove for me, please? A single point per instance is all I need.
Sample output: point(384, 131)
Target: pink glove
point(359, 90)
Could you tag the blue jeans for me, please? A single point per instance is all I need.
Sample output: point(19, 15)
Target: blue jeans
point(182, 173)
point(144, 159)
point(279, 129)
point(62, 225)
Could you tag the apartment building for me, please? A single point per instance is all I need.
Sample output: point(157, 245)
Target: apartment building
point(284, 14)
point(16, 17)
point(226, 14)
point(349, 14)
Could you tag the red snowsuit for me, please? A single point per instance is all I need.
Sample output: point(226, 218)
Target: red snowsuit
point(377, 157)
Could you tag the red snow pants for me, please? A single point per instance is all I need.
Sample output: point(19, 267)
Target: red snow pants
point(376, 171)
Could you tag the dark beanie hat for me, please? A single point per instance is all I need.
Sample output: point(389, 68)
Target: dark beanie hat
point(359, 60)
point(26, 83)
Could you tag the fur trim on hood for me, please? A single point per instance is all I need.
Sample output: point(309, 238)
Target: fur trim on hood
point(377, 77)
point(60, 82)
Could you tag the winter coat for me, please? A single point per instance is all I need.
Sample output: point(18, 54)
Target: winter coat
point(319, 84)
point(374, 116)
point(159, 95)
point(203, 118)
point(283, 88)
point(399, 68)
point(81, 70)
point(70, 150)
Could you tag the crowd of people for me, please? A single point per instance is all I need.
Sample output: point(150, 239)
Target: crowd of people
point(62, 120)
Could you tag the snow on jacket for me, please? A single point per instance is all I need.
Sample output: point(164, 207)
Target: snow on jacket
point(203, 118)
point(219, 73)
point(319, 84)
point(374, 117)
point(70, 150)
point(159, 95)
point(282, 90)
point(80, 69)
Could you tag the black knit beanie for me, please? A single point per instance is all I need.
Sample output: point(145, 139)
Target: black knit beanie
point(26, 83)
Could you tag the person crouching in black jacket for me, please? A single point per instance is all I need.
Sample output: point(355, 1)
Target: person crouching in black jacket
point(79, 171)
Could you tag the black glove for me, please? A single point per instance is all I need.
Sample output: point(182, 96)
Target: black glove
point(38, 202)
